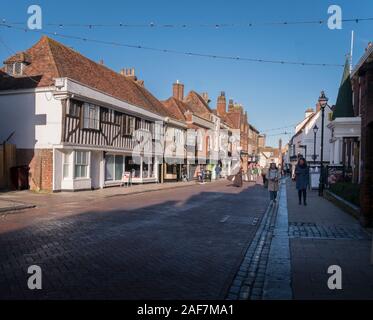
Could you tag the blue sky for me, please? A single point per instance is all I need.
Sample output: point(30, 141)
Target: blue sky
point(274, 95)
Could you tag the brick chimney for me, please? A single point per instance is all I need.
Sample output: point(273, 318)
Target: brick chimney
point(318, 107)
point(129, 73)
point(178, 90)
point(205, 97)
point(230, 105)
point(308, 112)
point(221, 105)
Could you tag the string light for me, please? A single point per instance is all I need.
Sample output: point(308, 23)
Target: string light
point(171, 51)
point(280, 128)
point(153, 25)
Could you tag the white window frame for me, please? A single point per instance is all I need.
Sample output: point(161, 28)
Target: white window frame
point(66, 163)
point(82, 164)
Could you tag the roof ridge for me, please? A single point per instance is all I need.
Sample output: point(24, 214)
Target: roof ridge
point(47, 40)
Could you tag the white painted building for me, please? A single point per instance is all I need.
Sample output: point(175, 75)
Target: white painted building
point(305, 143)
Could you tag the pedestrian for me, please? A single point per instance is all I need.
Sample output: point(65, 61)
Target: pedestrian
point(217, 172)
point(273, 179)
point(302, 178)
point(238, 178)
point(264, 174)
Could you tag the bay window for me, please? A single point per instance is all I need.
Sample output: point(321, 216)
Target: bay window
point(81, 164)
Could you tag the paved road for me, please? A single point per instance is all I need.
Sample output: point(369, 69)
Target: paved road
point(186, 243)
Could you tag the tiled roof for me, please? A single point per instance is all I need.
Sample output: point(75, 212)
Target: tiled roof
point(198, 105)
point(50, 59)
point(176, 108)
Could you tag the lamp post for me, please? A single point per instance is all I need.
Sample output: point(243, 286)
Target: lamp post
point(315, 129)
point(323, 102)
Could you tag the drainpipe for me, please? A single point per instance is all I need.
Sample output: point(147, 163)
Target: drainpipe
point(5, 171)
point(166, 120)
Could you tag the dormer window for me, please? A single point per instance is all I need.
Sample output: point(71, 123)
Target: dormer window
point(15, 68)
point(15, 65)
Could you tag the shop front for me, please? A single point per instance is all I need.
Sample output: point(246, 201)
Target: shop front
point(121, 167)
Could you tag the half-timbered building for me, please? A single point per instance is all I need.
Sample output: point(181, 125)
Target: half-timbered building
point(78, 124)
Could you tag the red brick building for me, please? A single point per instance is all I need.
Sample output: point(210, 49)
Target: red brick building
point(237, 117)
point(362, 85)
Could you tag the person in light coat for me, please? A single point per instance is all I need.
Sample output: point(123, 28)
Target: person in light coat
point(273, 178)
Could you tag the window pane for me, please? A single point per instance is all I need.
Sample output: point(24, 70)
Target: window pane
point(109, 167)
point(83, 171)
point(118, 167)
point(77, 171)
point(78, 157)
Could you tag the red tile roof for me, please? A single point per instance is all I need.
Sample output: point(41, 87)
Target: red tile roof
point(50, 59)
point(198, 105)
point(176, 108)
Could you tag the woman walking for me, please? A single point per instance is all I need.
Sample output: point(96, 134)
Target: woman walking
point(273, 178)
point(238, 178)
point(302, 178)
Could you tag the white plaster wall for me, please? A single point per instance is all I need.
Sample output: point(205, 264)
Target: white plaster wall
point(307, 138)
point(34, 116)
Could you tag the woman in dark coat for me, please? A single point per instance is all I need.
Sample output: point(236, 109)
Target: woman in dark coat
point(238, 178)
point(302, 178)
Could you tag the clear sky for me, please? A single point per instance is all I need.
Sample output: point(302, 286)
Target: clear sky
point(274, 95)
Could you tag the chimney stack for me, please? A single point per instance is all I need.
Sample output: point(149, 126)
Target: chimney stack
point(129, 73)
point(178, 90)
point(318, 107)
point(230, 105)
point(221, 104)
point(308, 112)
point(205, 97)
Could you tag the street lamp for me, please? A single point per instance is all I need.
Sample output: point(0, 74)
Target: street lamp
point(323, 102)
point(315, 129)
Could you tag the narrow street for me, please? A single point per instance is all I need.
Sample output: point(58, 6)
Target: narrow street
point(185, 243)
point(210, 241)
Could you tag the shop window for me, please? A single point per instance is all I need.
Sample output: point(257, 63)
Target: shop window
point(131, 166)
point(114, 167)
point(81, 164)
point(109, 167)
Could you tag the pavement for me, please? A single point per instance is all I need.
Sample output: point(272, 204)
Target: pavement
point(11, 200)
point(184, 243)
point(294, 247)
point(322, 235)
point(11, 206)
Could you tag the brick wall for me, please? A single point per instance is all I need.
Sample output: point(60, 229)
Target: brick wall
point(366, 194)
point(40, 162)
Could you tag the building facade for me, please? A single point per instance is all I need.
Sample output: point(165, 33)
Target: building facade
point(362, 85)
point(79, 125)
